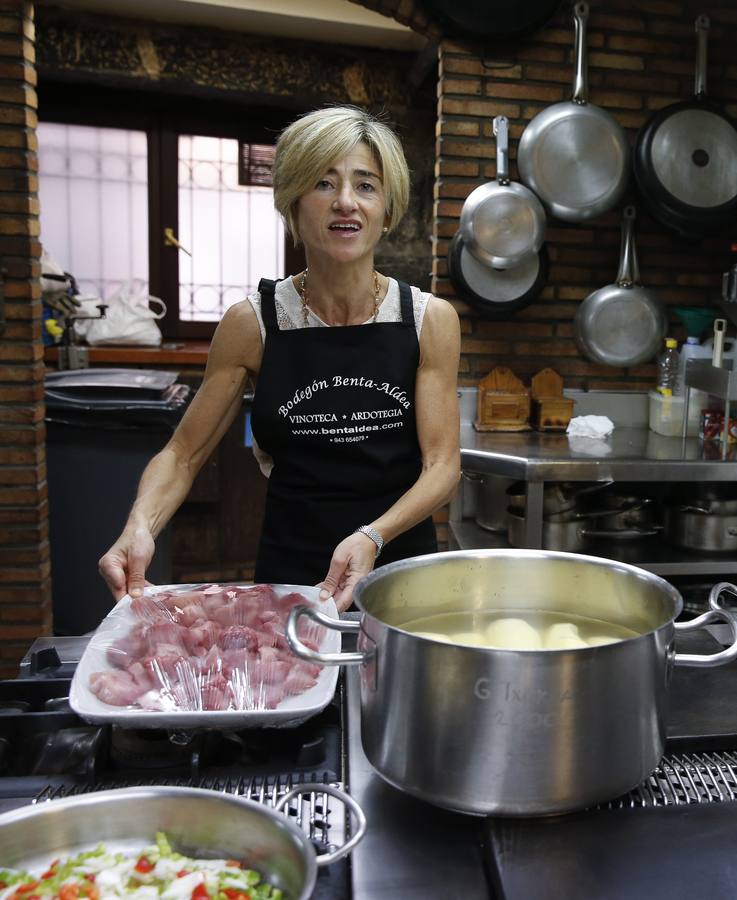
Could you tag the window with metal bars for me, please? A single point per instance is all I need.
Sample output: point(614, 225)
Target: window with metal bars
point(172, 195)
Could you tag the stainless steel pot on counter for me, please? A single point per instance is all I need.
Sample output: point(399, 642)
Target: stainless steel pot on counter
point(490, 499)
point(699, 530)
point(514, 732)
point(573, 531)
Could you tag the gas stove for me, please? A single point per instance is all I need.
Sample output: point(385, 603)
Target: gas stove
point(671, 836)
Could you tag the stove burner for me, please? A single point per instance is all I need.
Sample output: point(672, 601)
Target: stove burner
point(11, 707)
point(69, 750)
point(144, 749)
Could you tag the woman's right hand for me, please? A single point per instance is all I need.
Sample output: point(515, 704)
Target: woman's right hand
point(124, 565)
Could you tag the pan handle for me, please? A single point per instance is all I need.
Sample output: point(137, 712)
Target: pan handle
point(305, 652)
point(702, 40)
point(717, 613)
point(499, 126)
point(580, 80)
point(628, 269)
point(324, 859)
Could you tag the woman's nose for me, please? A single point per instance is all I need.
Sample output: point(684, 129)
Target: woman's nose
point(346, 198)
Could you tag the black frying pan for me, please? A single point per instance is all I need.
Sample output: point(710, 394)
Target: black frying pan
point(685, 159)
point(495, 293)
point(490, 19)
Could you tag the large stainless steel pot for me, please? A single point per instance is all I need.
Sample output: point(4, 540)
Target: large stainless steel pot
point(508, 732)
point(701, 531)
point(490, 495)
point(198, 822)
point(573, 531)
point(559, 497)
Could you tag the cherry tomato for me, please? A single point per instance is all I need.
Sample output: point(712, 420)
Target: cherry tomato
point(200, 893)
point(69, 892)
point(234, 894)
point(144, 865)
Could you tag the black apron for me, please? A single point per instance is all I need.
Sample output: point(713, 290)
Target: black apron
point(335, 409)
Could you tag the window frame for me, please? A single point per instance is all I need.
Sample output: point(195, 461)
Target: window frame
point(164, 117)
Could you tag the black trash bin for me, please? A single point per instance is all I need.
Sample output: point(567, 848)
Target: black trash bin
point(102, 428)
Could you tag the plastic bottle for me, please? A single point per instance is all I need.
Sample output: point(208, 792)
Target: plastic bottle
point(668, 368)
point(692, 349)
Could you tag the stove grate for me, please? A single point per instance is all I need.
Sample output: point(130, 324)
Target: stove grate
point(689, 778)
point(321, 816)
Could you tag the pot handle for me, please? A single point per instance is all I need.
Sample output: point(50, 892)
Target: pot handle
point(702, 38)
point(628, 274)
point(325, 859)
point(717, 613)
point(580, 79)
point(305, 652)
point(499, 128)
point(623, 533)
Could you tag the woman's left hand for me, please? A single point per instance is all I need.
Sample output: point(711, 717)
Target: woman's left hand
point(353, 558)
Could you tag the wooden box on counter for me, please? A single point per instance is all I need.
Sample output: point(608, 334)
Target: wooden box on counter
point(551, 411)
point(503, 402)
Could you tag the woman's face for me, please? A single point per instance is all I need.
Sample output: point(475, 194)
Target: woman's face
point(342, 217)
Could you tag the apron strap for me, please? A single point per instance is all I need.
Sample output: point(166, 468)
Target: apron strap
point(405, 302)
point(266, 288)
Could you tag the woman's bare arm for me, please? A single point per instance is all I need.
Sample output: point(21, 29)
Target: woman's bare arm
point(235, 351)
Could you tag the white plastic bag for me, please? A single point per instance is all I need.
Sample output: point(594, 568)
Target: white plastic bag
point(129, 320)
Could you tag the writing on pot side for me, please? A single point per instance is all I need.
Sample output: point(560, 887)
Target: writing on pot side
point(508, 693)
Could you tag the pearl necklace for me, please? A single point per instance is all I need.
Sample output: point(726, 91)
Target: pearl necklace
point(306, 309)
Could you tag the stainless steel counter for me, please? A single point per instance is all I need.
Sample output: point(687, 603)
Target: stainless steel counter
point(628, 454)
point(411, 851)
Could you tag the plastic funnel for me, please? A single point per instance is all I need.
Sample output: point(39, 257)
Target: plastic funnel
point(695, 319)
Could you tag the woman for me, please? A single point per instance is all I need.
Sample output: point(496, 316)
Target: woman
point(355, 414)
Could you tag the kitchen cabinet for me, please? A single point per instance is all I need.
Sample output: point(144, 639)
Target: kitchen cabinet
point(631, 454)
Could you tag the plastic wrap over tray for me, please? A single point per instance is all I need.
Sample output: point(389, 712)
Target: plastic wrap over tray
point(204, 656)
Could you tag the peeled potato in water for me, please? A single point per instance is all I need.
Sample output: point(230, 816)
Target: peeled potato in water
point(595, 640)
point(472, 638)
point(563, 636)
point(513, 634)
point(434, 637)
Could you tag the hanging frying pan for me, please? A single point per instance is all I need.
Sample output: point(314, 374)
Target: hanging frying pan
point(622, 324)
point(490, 19)
point(574, 155)
point(502, 222)
point(685, 159)
point(495, 293)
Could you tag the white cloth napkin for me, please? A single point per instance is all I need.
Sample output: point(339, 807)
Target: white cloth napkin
point(590, 426)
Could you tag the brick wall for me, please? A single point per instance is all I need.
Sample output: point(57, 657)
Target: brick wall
point(641, 58)
point(25, 595)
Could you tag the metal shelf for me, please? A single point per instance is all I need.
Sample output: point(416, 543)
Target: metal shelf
point(652, 554)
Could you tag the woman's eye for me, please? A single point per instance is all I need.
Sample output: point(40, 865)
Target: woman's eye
point(323, 184)
point(366, 186)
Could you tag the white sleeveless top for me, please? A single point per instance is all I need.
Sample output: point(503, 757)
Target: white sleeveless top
point(289, 316)
point(289, 308)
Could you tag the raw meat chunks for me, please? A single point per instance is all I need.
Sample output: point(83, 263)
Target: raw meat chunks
point(220, 647)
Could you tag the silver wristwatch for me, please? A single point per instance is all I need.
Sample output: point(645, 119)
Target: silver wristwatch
point(373, 534)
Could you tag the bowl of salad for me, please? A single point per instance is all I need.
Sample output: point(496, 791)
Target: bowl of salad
point(162, 843)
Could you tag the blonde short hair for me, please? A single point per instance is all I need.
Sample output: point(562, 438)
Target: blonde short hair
point(308, 147)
